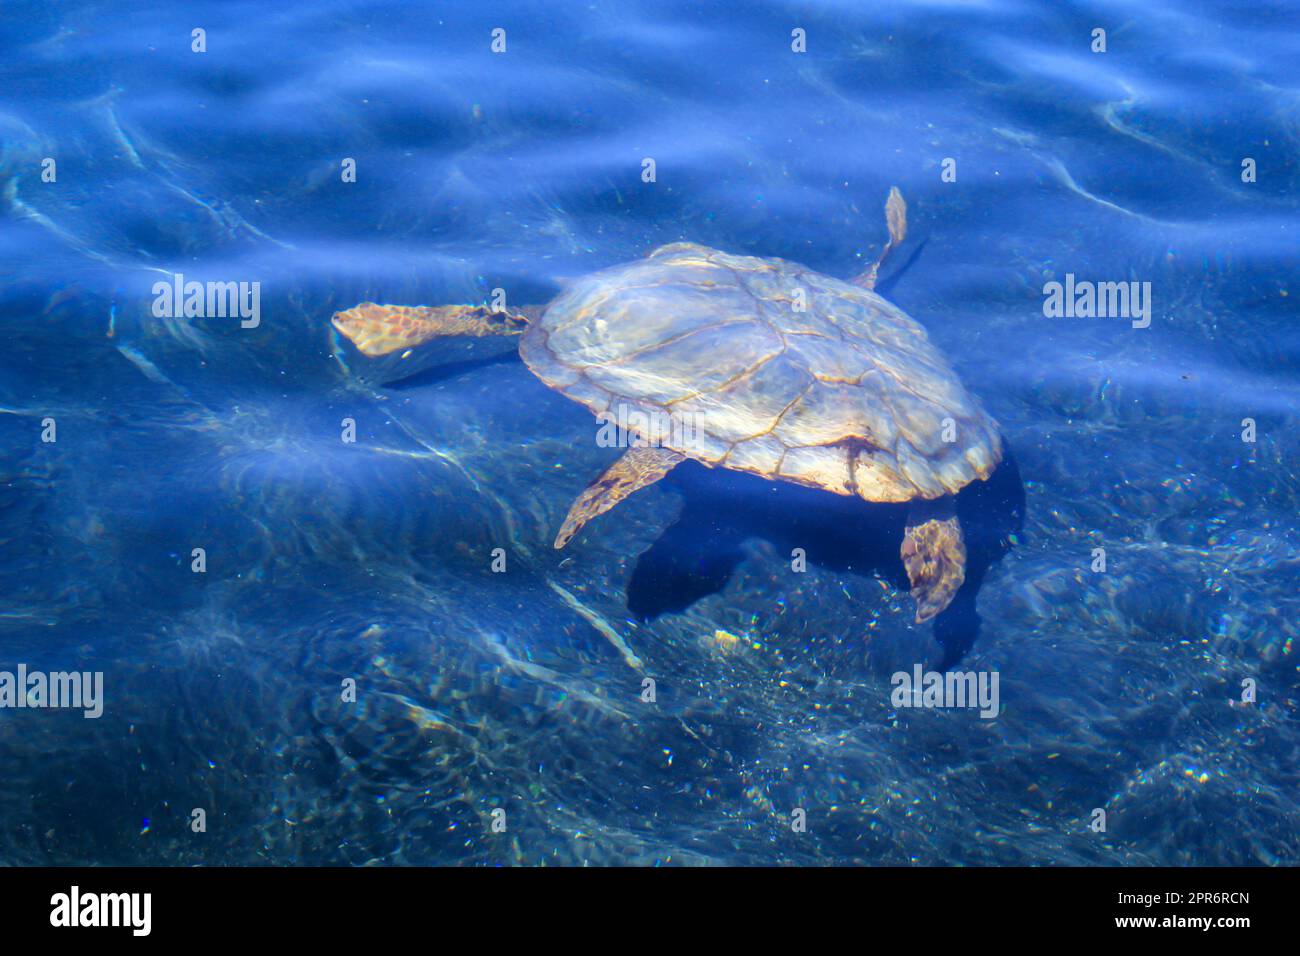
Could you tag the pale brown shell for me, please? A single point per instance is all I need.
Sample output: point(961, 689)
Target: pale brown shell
point(767, 367)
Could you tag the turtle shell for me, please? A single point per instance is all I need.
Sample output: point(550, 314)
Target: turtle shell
point(764, 366)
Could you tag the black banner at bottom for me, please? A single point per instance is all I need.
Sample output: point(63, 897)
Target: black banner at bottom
point(337, 905)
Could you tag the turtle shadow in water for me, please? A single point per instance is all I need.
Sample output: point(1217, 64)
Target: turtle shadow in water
point(446, 370)
point(885, 286)
point(698, 554)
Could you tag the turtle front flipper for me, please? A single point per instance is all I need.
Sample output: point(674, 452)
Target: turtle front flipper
point(637, 468)
point(378, 330)
point(934, 554)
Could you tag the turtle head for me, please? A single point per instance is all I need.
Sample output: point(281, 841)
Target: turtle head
point(380, 344)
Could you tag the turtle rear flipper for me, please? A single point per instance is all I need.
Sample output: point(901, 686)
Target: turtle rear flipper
point(896, 223)
point(934, 554)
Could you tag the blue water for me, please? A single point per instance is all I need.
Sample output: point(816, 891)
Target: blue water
point(521, 690)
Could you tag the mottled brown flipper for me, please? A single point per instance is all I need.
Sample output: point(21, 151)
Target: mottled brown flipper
point(637, 468)
point(382, 329)
point(896, 220)
point(934, 554)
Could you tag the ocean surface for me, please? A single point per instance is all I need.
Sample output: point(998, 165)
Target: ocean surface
point(376, 657)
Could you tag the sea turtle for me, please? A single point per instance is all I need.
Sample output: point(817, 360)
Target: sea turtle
point(759, 365)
